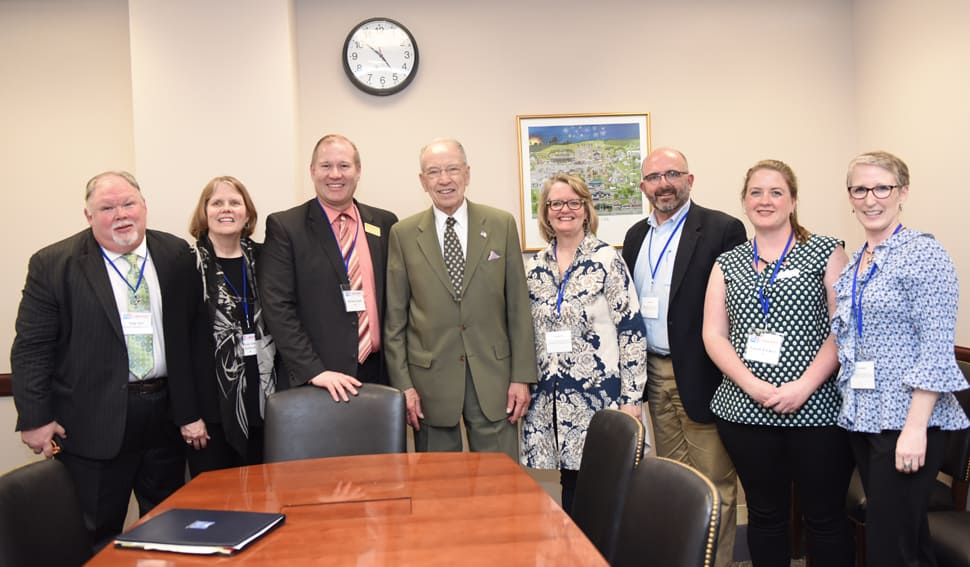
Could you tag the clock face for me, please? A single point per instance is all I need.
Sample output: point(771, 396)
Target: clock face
point(380, 56)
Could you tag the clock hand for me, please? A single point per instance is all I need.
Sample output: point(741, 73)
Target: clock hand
point(379, 54)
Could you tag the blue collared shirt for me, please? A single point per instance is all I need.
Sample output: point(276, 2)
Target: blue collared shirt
point(647, 286)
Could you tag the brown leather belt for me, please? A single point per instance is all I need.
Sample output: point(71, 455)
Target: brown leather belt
point(149, 386)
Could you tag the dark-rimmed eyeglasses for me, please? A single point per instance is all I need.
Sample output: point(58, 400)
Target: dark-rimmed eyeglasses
point(671, 175)
point(572, 204)
point(859, 192)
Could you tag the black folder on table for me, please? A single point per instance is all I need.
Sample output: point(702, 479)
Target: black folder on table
point(200, 531)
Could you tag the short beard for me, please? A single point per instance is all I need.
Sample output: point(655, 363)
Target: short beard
point(123, 241)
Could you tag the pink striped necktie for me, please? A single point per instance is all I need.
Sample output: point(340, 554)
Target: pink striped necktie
point(348, 250)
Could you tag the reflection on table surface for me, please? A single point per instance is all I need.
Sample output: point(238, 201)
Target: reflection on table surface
point(402, 509)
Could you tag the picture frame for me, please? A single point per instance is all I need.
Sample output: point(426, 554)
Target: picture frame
point(605, 150)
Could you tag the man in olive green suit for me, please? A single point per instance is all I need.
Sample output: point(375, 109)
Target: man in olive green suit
point(458, 329)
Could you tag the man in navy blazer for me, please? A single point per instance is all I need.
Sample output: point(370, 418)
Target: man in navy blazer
point(77, 397)
point(670, 254)
point(313, 315)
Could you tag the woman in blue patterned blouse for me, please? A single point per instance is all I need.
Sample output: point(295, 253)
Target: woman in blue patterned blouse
point(894, 326)
point(766, 326)
point(590, 339)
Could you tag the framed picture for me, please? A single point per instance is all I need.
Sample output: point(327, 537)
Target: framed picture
point(605, 150)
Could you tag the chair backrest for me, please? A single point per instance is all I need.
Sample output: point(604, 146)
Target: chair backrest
point(956, 456)
point(671, 518)
point(613, 449)
point(305, 423)
point(40, 517)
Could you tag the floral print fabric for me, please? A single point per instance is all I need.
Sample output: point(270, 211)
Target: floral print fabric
point(606, 367)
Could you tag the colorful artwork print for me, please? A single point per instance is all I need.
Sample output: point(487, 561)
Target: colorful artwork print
point(604, 150)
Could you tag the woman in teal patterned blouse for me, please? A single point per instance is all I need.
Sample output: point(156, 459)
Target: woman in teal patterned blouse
point(590, 340)
point(766, 326)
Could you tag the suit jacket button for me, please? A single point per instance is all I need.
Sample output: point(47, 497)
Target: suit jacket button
point(461, 358)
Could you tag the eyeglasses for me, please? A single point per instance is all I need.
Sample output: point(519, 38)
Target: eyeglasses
point(451, 170)
point(557, 205)
point(859, 192)
point(671, 175)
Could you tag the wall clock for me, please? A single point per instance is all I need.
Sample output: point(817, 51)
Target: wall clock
point(380, 56)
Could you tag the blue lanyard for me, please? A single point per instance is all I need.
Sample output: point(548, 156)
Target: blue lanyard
point(353, 245)
point(765, 302)
point(242, 298)
point(655, 267)
point(141, 273)
point(857, 302)
point(562, 284)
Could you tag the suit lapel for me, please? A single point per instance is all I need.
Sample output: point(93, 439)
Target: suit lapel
point(692, 230)
point(429, 246)
point(477, 226)
point(96, 273)
point(320, 231)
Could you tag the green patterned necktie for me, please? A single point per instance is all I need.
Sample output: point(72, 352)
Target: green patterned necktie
point(141, 359)
point(454, 259)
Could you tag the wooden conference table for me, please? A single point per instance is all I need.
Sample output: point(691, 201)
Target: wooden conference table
point(403, 509)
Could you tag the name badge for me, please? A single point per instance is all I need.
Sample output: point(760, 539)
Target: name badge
point(372, 229)
point(864, 377)
point(249, 344)
point(354, 300)
point(764, 346)
point(137, 323)
point(559, 341)
point(788, 274)
point(650, 307)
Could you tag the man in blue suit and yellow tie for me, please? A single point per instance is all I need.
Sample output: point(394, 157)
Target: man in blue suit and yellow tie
point(458, 331)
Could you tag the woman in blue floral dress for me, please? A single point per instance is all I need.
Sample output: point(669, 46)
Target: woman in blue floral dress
point(590, 339)
point(895, 326)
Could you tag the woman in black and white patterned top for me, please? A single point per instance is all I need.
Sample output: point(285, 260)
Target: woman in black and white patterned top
point(243, 354)
point(766, 326)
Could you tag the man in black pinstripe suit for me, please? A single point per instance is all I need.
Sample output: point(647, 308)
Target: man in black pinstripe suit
point(118, 429)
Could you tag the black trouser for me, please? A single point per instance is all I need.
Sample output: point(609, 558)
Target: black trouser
point(567, 479)
point(897, 532)
point(151, 462)
point(768, 459)
point(370, 369)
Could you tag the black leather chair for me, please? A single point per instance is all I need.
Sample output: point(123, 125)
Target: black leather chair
point(671, 518)
point(40, 517)
point(944, 497)
point(305, 423)
point(950, 532)
point(950, 529)
point(613, 449)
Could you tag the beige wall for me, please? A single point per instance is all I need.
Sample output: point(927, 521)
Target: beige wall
point(181, 91)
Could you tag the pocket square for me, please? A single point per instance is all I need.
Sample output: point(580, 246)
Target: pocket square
point(493, 255)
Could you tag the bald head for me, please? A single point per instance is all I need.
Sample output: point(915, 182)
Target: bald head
point(666, 181)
